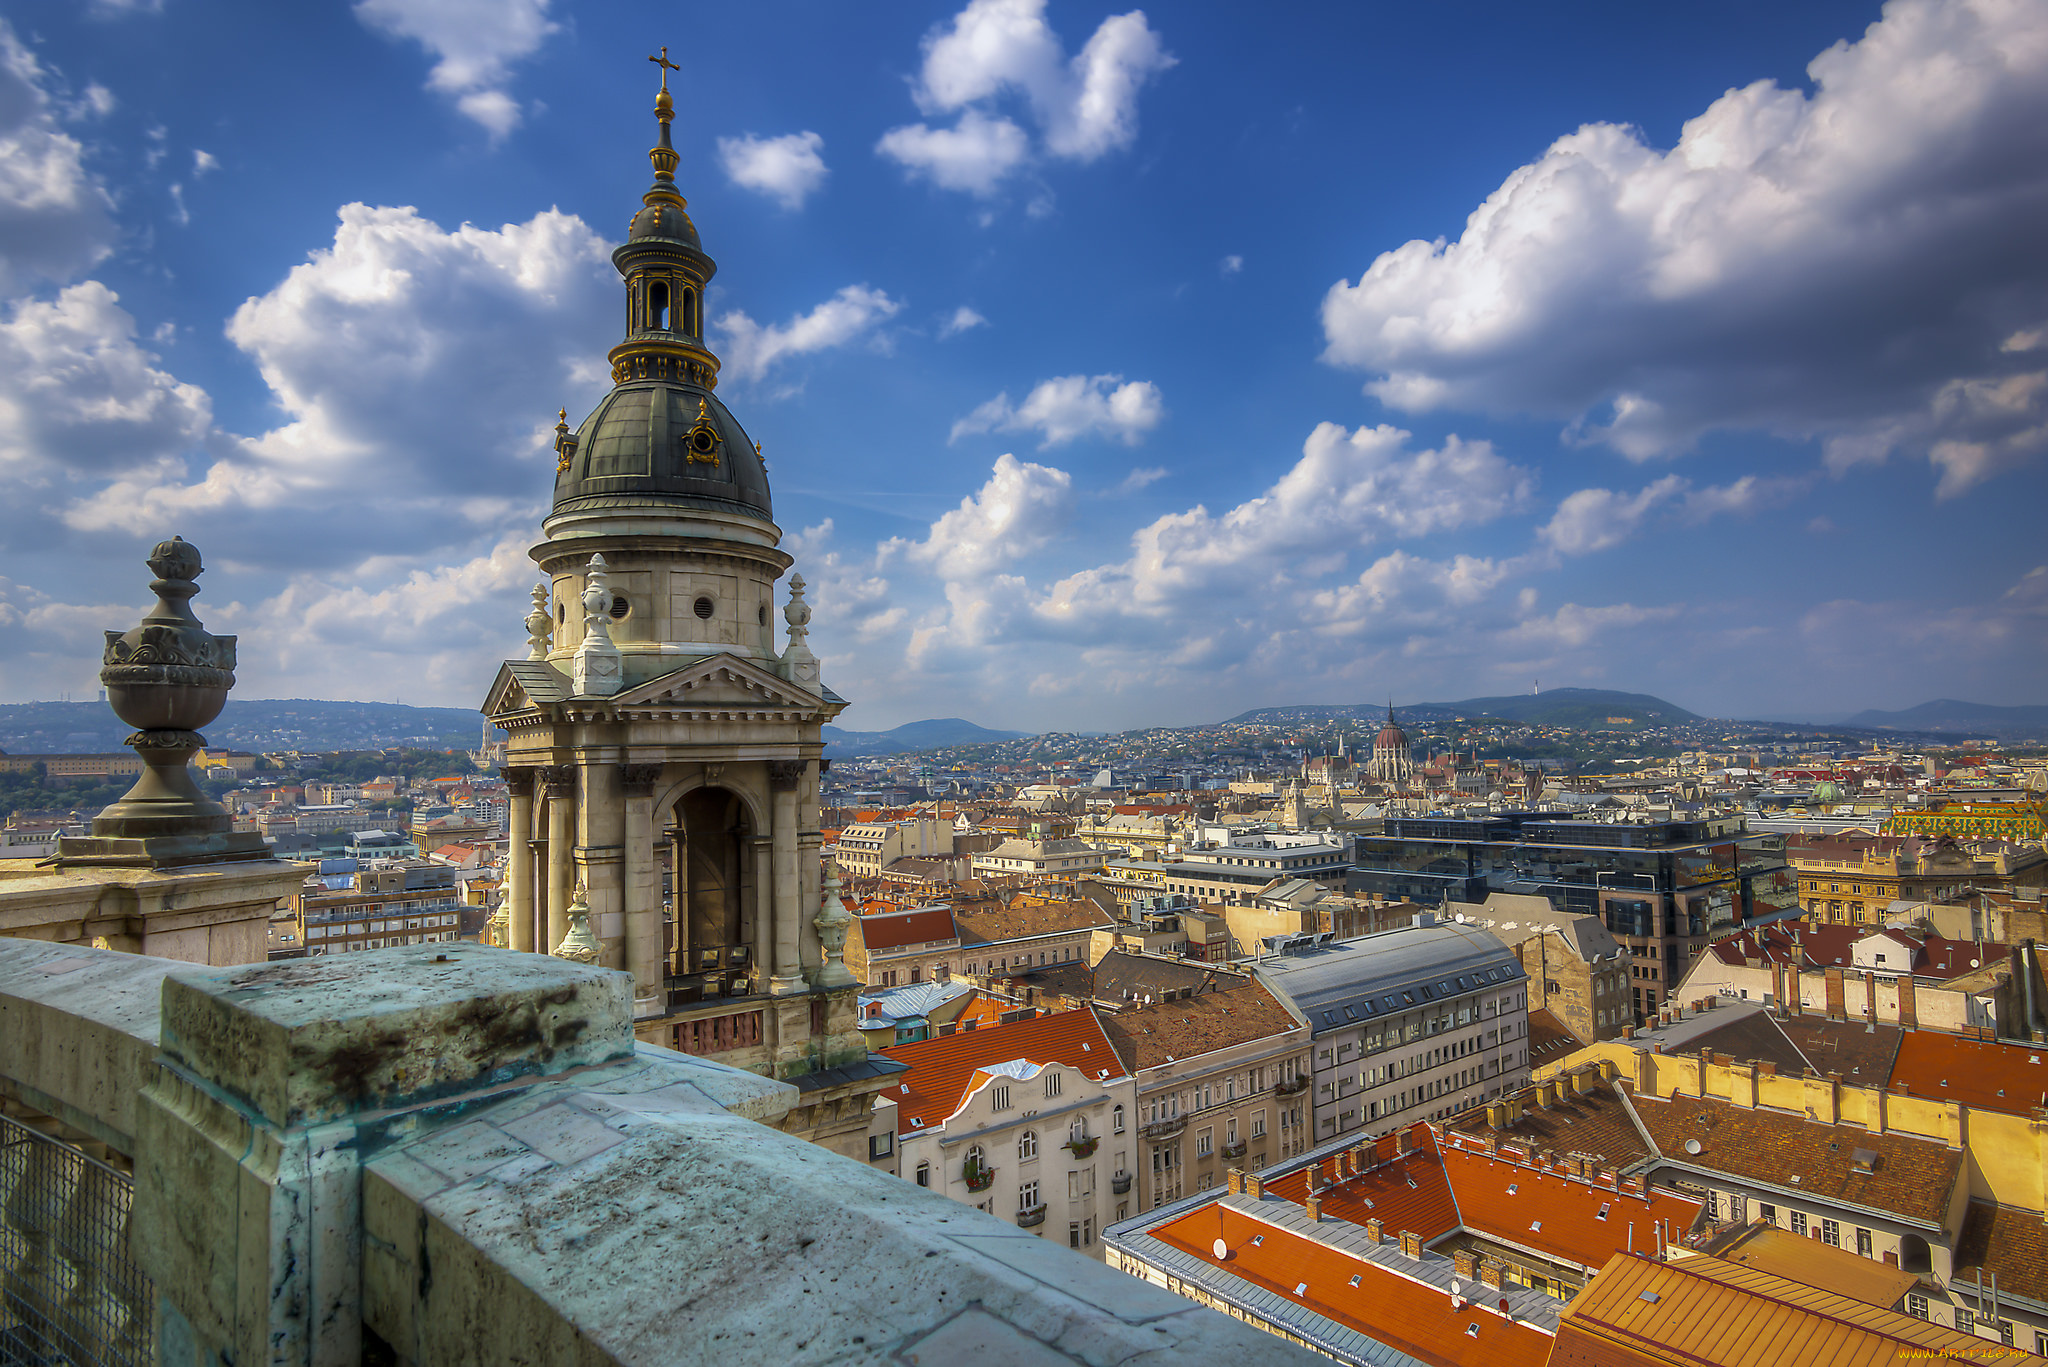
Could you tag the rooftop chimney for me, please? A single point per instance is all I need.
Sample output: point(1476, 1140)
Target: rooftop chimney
point(1314, 1207)
point(1374, 1230)
point(1411, 1244)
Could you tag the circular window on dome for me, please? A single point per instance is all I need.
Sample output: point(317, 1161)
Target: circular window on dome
point(703, 607)
point(620, 607)
point(703, 441)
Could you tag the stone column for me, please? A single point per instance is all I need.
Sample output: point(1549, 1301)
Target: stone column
point(561, 791)
point(785, 779)
point(600, 828)
point(763, 855)
point(641, 882)
point(679, 899)
point(519, 860)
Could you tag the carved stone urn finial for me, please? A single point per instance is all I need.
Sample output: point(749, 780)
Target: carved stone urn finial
point(578, 943)
point(540, 628)
point(167, 676)
point(799, 665)
point(832, 922)
point(597, 669)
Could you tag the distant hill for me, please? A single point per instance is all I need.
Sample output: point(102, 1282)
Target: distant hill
point(59, 728)
point(1588, 709)
point(914, 735)
point(1949, 714)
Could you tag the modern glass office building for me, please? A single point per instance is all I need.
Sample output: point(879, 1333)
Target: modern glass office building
point(1665, 889)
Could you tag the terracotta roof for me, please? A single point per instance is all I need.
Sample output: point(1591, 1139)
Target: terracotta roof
point(1411, 1193)
point(1564, 1218)
point(1164, 1032)
point(1810, 1262)
point(1704, 1311)
point(2012, 1078)
point(1592, 1124)
point(2011, 1243)
point(940, 1069)
point(1550, 1039)
point(893, 930)
point(1406, 1315)
point(993, 923)
point(1913, 1176)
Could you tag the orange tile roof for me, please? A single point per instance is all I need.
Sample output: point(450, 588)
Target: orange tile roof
point(1563, 1218)
point(1407, 1315)
point(2012, 1078)
point(942, 1069)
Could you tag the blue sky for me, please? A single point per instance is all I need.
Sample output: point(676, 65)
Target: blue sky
point(1114, 368)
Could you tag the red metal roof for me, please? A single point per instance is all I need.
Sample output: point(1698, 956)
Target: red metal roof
point(1561, 1217)
point(893, 930)
point(2012, 1078)
point(941, 1069)
point(1415, 1318)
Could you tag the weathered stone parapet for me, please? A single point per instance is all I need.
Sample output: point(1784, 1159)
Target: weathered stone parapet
point(203, 913)
point(461, 1156)
point(78, 1032)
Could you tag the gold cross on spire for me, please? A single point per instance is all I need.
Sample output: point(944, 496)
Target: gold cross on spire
point(665, 64)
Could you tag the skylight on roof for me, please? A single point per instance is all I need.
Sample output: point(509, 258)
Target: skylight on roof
point(1472, 1331)
point(1356, 1278)
point(1301, 1288)
point(1514, 1187)
point(1258, 1241)
point(1535, 1226)
point(1604, 1206)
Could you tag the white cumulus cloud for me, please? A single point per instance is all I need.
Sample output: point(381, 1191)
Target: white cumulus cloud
point(55, 218)
point(1084, 108)
point(475, 44)
point(1072, 406)
point(1595, 519)
point(1019, 510)
point(786, 169)
point(79, 399)
point(975, 155)
point(964, 319)
point(750, 349)
point(1844, 264)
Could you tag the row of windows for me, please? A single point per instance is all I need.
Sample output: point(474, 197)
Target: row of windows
point(388, 942)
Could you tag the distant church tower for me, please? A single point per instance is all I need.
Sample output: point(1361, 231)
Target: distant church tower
point(1392, 761)
point(654, 712)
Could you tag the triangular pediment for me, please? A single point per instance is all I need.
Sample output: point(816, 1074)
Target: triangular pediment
point(522, 685)
point(721, 681)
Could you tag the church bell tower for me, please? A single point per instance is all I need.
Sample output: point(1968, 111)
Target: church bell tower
point(662, 754)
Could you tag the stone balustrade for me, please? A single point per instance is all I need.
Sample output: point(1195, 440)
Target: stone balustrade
point(449, 1154)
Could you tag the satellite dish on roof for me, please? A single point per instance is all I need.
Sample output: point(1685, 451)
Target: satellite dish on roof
point(1220, 1249)
point(1692, 1146)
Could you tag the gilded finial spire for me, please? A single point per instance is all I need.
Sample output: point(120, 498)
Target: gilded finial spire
point(663, 153)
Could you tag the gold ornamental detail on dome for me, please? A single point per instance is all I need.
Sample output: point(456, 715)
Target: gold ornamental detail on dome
point(703, 441)
point(663, 155)
point(656, 360)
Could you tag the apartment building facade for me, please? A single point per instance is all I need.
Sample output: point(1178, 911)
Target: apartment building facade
point(348, 906)
point(1220, 1073)
point(1411, 1024)
point(1027, 1120)
point(867, 848)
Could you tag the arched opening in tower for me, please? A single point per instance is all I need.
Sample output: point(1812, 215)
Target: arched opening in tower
point(657, 306)
point(715, 885)
point(686, 316)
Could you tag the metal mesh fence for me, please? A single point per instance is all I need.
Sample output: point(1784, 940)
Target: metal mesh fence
point(70, 1295)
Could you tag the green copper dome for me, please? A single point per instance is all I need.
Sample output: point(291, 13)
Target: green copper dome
point(663, 442)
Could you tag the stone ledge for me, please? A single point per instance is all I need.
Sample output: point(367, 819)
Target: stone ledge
point(585, 1222)
point(78, 1032)
point(303, 1041)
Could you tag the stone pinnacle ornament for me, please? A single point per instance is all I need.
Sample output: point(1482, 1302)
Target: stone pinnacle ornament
point(167, 677)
